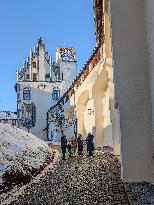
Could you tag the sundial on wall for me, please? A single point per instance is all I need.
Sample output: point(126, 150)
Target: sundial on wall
point(67, 54)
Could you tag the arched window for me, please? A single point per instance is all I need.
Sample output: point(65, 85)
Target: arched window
point(55, 94)
point(26, 94)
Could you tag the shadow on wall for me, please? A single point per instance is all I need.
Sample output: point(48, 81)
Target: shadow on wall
point(104, 138)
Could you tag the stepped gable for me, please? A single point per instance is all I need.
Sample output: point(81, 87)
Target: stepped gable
point(30, 67)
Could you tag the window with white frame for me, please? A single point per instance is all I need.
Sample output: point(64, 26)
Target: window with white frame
point(55, 94)
point(26, 94)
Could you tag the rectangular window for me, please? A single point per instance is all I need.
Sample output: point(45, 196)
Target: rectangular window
point(26, 94)
point(34, 64)
point(48, 75)
point(89, 111)
point(28, 76)
point(55, 94)
point(28, 110)
point(18, 96)
point(34, 77)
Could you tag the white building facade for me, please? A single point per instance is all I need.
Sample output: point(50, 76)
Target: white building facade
point(40, 83)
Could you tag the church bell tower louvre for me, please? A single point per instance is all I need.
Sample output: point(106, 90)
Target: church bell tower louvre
point(40, 84)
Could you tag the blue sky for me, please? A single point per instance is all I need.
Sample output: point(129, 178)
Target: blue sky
point(22, 22)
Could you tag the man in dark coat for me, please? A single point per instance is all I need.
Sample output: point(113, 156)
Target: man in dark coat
point(90, 144)
point(63, 146)
point(69, 148)
point(80, 144)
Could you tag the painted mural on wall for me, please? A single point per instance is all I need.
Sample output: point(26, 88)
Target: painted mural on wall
point(67, 54)
point(28, 118)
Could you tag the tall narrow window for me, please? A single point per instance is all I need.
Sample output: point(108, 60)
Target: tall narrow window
point(26, 94)
point(18, 96)
point(34, 77)
point(27, 76)
point(28, 109)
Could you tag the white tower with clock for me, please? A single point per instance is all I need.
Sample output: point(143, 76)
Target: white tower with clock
point(40, 83)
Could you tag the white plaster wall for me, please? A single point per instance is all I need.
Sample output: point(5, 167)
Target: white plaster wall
point(99, 118)
point(42, 98)
point(69, 70)
point(149, 10)
point(56, 134)
point(69, 132)
point(131, 77)
point(113, 112)
point(41, 64)
point(107, 125)
point(89, 117)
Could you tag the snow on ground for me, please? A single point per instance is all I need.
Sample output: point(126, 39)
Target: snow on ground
point(21, 152)
point(17, 192)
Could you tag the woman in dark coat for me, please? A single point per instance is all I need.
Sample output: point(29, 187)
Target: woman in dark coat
point(80, 144)
point(63, 146)
point(90, 144)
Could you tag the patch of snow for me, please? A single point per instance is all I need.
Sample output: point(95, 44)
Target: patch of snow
point(7, 198)
point(20, 150)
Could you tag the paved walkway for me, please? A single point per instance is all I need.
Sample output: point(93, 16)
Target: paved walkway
point(81, 181)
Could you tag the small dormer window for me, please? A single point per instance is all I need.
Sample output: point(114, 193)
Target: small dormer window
point(55, 94)
point(26, 94)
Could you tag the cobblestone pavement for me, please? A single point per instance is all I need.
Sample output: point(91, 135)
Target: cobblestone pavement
point(144, 192)
point(81, 181)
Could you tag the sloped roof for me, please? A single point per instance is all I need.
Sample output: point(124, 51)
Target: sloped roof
point(8, 115)
point(99, 20)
